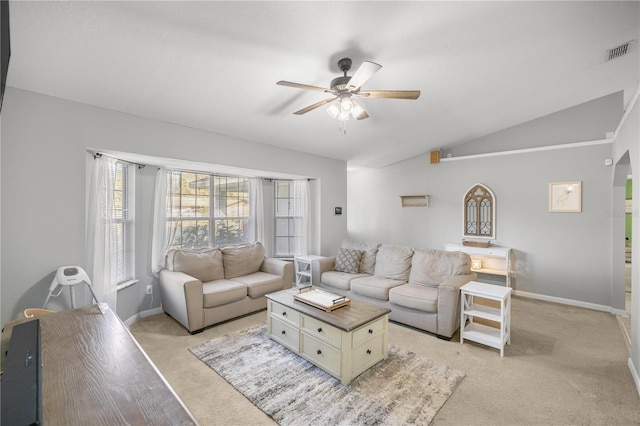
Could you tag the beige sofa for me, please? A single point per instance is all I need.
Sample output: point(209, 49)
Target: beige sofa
point(200, 288)
point(421, 286)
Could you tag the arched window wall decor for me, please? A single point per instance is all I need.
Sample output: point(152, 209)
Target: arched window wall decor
point(479, 207)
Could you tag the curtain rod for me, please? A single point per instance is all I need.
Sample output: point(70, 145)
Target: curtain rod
point(100, 154)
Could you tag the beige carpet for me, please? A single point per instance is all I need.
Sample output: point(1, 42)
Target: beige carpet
point(565, 365)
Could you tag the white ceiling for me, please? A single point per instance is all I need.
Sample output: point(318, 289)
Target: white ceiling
point(481, 66)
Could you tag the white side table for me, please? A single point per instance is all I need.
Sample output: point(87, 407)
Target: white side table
point(490, 336)
point(302, 268)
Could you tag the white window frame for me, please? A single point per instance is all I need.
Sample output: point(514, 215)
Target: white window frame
point(290, 223)
point(125, 253)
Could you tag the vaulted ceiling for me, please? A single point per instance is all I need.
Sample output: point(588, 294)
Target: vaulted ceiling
point(480, 66)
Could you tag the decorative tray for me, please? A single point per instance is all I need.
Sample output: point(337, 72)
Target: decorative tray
point(321, 299)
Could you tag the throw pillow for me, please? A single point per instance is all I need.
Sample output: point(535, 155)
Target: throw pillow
point(347, 260)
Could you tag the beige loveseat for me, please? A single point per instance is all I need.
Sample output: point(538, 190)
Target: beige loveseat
point(421, 286)
point(200, 288)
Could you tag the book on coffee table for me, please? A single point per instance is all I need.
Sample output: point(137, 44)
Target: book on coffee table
point(321, 299)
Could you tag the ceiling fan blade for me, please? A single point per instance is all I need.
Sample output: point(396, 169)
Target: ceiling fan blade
point(391, 94)
point(314, 106)
point(362, 116)
point(302, 86)
point(364, 73)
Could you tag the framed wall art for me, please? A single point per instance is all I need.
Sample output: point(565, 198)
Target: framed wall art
point(565, 197)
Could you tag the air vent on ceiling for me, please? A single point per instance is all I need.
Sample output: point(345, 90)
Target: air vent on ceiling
point(619, 51)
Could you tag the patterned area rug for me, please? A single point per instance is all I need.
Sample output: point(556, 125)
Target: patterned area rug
point(403, 389)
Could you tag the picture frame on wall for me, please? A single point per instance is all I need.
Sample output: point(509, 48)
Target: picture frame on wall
point(565, 197)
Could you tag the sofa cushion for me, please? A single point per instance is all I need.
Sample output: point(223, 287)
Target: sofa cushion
point(375, 286)
point(341, 280)
point(369, 251)
point(260, 283)
point(415, 296)
point(393, 262)
point(347, 260)
point(432, 267)
point(205, 265)
point(242, 259)
point(221, 292)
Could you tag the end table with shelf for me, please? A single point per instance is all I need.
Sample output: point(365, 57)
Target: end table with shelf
point(469, 310)
point(302, 268)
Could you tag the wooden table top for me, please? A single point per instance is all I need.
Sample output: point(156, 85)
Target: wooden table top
point(347, 318)
point(94, 372)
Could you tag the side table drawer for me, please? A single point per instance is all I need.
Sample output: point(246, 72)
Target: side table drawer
point(367, 331)
point(367, 354)
point(285, 334)
point(322, 331)
point(284, 313)
point(321, 354)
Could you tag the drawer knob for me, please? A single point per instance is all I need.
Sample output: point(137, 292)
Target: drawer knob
point(319, 352)
point(368, 351)
point(284, 332)
point(284, 314)
point(370, 331)
point(319, 329)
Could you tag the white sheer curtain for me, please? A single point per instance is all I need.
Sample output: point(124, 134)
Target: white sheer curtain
point(256, 216)
point(163, 234)
point(300, 210)
point(101, 235)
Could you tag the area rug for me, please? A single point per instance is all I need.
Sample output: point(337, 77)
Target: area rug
point(403, 389)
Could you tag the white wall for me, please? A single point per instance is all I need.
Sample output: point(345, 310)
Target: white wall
point(626, 149)
point(44, 175)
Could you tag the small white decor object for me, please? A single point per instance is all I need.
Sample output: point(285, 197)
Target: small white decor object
point(476, 264)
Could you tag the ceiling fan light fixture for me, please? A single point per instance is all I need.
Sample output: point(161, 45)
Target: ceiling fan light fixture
point(334, 109)
point(357, 109)
point(346, 104)
point(343, 116)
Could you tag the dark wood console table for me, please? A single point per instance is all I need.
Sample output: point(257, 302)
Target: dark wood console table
point(94, 372)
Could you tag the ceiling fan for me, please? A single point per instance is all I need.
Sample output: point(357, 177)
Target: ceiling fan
point(345, 89)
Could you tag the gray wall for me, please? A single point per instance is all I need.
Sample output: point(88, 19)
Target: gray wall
point(44, 179)
point(585, 122)
point(564, 255)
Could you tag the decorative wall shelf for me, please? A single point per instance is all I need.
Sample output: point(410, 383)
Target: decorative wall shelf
point(414, 200)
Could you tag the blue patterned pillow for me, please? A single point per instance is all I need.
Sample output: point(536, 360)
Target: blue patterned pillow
point(347, 260)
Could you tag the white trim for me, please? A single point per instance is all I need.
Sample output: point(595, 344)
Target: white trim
point(527, 150)
point(570, 302)
point(143, 314)
point(634, 374)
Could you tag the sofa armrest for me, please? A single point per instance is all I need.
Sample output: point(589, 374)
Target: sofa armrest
point(320, 266)
point(279, 267)
point(182, 298)
point(449, 303)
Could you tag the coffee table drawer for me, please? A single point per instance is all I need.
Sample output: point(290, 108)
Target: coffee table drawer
point(322, 331)
point(368, 331)
point(367, 354)
point(284, 313)
point(285, 334)
point(321, 354)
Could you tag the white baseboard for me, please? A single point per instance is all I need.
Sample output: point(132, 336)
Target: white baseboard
point(570, 302)
point(634, 374)
point(132, 320)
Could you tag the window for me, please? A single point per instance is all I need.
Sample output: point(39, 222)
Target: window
point(123, 223)
point(198, 217)
point(479, 212)
point(291, 204)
